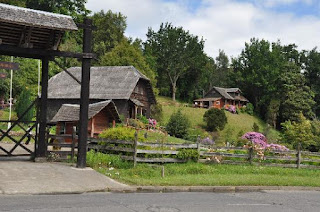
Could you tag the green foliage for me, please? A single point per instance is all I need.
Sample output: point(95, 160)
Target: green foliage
point(178, 125)
point(176, 54)
point(249, 109)
point(156, 112)
point(98, 160)
point(188, 154)
point(4, 88)
point(255, 127)
point(273, 112)
point(109, 32)
point(299, 131)
point(143, 119)
point(193, 134)
point(215, 119)
point(19, 3)
point(121, 133)
point(23, 102)
point(126, 54)
point(136, 123)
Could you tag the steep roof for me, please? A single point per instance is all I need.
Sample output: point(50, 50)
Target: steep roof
point(224, 92)
point(35, 18)
point(106, 82)
point(71, 112)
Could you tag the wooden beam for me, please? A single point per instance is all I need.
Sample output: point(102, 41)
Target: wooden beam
point(11, 50)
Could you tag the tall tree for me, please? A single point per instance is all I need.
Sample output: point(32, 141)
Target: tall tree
point(109, 32)
point(126, 54)
point(177, 53)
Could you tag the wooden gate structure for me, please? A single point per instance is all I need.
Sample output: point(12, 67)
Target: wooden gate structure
point(36, 34)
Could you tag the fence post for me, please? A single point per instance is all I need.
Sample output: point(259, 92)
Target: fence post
point(73, 142)
point(135, 149)
point(250, 157)
point(162, 171)
point(198, 146)
point(298, 155)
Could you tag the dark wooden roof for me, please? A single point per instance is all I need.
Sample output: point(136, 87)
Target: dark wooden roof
point(70, 112)
point(225, 92)
point(107, 82)
point(29, 28)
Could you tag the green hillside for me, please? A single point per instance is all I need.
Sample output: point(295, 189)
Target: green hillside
point(237, 123)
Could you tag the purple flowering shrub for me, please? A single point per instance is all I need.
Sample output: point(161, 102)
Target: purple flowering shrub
point(152, 123)
point(207, 141)
point(231, 108)
point(260, 142)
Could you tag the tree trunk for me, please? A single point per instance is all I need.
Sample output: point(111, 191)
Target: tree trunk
point(174, 89)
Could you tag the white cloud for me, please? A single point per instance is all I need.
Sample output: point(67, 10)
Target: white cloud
point(224, 24)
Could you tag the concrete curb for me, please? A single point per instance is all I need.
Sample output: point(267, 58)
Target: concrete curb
point(216, 189)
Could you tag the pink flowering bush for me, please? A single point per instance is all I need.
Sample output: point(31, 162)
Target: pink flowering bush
point(152, 123)
point(260, 142)
point(231, 108)
point(207, 141)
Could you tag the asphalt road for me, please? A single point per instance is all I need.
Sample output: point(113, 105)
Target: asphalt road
point(161, 202)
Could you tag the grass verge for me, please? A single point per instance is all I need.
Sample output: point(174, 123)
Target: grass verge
point(196, 174)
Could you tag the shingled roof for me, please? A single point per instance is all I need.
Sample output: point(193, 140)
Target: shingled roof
point(107, 82)
point(70, 112)
point(225, 93)
point(36, 18)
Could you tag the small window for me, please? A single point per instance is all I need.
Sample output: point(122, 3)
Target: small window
point(217, 102)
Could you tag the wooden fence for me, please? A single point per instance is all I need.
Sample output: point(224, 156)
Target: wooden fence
point(167, 153)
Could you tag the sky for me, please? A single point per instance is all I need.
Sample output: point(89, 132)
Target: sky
point(224, 24)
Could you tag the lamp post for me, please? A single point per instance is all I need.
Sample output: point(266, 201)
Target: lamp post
point(10, 101)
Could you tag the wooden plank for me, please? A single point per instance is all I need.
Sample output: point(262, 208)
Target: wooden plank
point(208, 154)
point(97, 140)
point(279, 158)
point(109, 148)
point(176, 146)
point(165, 152)
point(154, 160)
point(61, 144)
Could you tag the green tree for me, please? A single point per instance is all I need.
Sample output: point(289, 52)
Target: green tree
point(300, 131)
point(125, 54)
point(177, 53)
point(273, 112)
point(296, 96)
point(178, 125)
point(215, 119)
point(109, 32)
point(23, 102)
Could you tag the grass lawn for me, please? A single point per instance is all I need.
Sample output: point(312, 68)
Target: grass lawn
point(237, 123)
point(192, 174)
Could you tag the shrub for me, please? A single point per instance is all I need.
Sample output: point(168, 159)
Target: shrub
point(143, 119)
point(249, 109)
point(178, 125)
point(193, 134)
point(188, 154)
point(136, 123)
point(23, 102)
point(156, 112)
point(215, 119)
point(255, 127)
point(121, 133)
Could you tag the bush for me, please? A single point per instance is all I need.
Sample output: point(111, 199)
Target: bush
point(178, 125)
point(215, 119)
point(188, 154)
point(194, 133)
point(136, 123)
point(121, 133)
point(156, 112)
point(249, 109)
point(143, 119)
point(23, 102)
point(255, 127)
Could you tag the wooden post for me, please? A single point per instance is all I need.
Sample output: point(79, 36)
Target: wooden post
point(298, 155)
point(250, 156)
point(162, 171)
point(41, 150)
point(113, 123)
point(74, 131)
point(135, 149)
point(198, 146)
point(84, 97)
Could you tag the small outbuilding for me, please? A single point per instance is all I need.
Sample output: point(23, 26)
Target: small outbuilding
point(102, 115)
point(221, 97)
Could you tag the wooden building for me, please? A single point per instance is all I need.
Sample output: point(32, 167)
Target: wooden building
point(102, 115)
point(128, 88)
point(221, 97)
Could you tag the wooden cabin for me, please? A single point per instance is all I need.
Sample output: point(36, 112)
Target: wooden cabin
point(102, 115)
point(127, 87)
point(221, 97)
